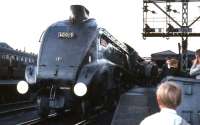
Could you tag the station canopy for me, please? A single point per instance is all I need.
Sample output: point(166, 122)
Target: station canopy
point(161, 56)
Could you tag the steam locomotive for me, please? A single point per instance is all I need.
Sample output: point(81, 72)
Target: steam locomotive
point(12, 67)
point(82, 67)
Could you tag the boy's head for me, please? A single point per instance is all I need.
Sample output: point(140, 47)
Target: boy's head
point(168, 95)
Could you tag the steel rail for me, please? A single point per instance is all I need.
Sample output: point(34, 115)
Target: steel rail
point(16, 103)
point(18, 110)
point(37, 120)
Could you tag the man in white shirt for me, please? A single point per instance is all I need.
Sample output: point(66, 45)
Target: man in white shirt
point(195, 69)
point(169, 97)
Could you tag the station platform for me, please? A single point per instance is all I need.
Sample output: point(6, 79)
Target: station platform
point(134, 106)
point(189, 108)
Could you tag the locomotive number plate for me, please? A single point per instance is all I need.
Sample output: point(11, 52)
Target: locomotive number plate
point(66, 35)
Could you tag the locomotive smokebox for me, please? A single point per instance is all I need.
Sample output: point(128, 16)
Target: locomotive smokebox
point(79, 12)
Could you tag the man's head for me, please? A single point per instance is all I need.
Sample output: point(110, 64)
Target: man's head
point(173, 63)
point(168, 95)
point(167, 58)
point(197, 53)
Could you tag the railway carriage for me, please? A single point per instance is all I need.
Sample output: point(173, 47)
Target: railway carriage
point(12, 68)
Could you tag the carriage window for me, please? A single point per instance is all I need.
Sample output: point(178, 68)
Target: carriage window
point(12, 57)
point(7, 57)
point(32, 60)
point(25, 59)
point(4, 57)
point(17, 58)
point(90, 59)
point(29, 60)
point(22, 59)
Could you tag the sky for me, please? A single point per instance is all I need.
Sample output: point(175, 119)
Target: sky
point(23, 21)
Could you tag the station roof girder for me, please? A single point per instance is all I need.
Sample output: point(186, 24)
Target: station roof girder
point(162, 1)
point(150, 34)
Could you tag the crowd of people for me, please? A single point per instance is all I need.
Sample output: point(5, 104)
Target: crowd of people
point(169, 94)
point(171, 67)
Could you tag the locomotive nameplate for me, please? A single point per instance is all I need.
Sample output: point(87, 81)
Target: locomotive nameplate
point(66, 35)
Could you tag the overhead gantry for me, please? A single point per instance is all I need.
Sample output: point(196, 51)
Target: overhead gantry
point(172, 26)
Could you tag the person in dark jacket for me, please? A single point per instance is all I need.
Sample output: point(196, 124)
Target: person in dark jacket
point(170, 68)
point(173, 70)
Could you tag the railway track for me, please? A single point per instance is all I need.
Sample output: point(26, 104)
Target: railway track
point(40, 121)
point(16, 110)
point(29, 109)
point(15, 104)
point(37, 120)
point(11, 108)
point(84, 122)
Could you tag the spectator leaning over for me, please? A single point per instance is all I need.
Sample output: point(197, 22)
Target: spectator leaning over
point(168, 97)
point(165, 68)
point(170, 68)
point(173, 70)
point(195, 69)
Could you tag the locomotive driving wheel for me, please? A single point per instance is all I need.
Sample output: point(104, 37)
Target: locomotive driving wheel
point(111, 100)
point(111, 97)
point(44, 110)
point(79, 110)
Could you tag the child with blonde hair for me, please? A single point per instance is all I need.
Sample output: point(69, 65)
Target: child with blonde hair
point(169, 98)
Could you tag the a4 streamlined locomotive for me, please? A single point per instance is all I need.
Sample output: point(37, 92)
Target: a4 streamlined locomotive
point(82, 67)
